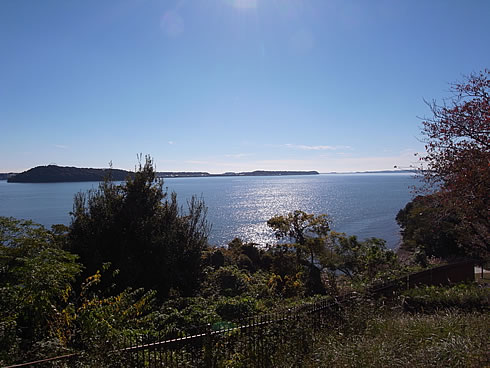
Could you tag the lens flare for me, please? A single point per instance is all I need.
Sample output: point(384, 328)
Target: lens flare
point(172, 23)
point(244, 4)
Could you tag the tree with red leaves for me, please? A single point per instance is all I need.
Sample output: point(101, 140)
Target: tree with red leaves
point(457, 162)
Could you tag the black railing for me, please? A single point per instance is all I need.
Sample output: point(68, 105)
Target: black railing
point(256, 341)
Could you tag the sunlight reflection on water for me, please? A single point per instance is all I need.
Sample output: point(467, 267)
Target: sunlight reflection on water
point(363, 205)
point(358, 204)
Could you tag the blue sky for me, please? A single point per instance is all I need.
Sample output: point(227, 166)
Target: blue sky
point(229, 85)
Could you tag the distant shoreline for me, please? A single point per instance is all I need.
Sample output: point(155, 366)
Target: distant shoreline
point(374, 172)
point(63, 174)
point(246, 173)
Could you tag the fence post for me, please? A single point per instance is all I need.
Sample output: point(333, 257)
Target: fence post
point(208, 346)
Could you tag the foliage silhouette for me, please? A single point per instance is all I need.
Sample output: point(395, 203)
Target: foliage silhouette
point(142, 231)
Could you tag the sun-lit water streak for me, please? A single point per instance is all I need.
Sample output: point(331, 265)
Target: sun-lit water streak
point(362, 204)
point(358, 204)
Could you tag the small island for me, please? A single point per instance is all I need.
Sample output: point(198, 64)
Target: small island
point(59, 174)
point(54, 174)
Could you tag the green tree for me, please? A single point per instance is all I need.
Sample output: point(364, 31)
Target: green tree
point(306, 230)
point(361, 261)
point(249, 256)
point(429, 228)
point(309, 234)
point(142, 231)
point(36, 279)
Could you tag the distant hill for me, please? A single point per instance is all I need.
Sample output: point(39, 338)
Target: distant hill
point(274, 173)
point(182, 174)
point(56, 174)
point(179, 174)
point(377, 172)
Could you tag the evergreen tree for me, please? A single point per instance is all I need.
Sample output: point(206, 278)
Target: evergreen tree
point(142, 232)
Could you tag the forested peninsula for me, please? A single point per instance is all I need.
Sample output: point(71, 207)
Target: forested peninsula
point(54, 174)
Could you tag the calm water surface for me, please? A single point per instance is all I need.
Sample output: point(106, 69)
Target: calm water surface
point(358, 204)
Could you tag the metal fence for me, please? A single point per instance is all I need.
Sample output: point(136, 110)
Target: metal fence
point(257, 341)
point(463, 271)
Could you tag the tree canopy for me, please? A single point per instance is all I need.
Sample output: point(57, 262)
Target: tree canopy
point(307, 230)
point(142, 232)
point(36, 279)
point(457, 163)
point(429, 229)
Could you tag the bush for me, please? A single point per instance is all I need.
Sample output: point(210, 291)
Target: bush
point(230, 281)
point(236, 308)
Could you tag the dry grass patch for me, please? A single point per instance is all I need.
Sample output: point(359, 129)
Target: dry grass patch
point(444, 339)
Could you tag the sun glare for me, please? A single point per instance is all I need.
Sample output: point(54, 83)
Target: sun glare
point(244, 4)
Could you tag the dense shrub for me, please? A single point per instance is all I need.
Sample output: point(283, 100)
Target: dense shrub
point(231, 281)
point(235, 308)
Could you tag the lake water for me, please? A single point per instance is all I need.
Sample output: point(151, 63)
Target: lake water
point(358, 204)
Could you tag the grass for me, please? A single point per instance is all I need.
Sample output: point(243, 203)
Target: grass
point(445, 327)
point(398, 339)
point(464, 297)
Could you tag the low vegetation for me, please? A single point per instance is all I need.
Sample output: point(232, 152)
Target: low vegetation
point(448, 338)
